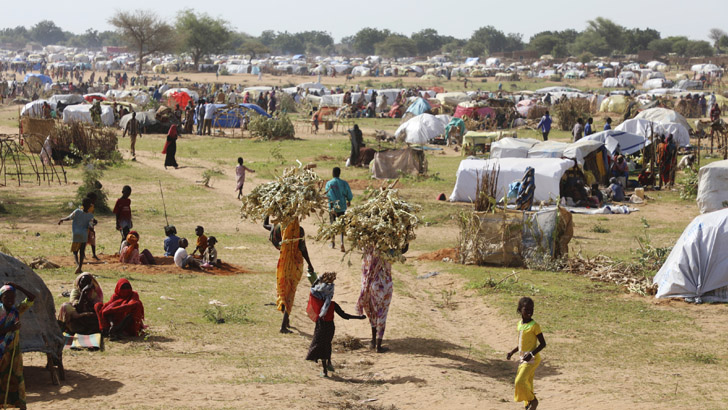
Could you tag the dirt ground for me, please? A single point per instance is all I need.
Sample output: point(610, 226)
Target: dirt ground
point(449, 357)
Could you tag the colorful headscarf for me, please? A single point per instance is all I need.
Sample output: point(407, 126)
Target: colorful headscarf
point(133, 243)
point(8, 319)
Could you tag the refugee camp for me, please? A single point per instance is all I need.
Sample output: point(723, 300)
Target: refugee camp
point(373, 206)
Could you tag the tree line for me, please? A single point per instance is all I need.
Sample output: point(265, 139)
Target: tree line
point(202, 36)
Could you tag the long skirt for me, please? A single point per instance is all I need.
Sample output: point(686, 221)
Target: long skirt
point(16, 395)
point(320, 347)
point(376, 290)
point(290, 267)
point(169, 160)
point(524, 381)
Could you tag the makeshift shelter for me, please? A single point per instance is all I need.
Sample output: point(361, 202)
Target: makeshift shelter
point(547, 149)
point(614, 103)
point(190, 93)
point(644, 128)
point(524, 106)
point(419, 106)
point(469, 109)
point(37, 78)
point(66, 99)
point(94, 97)
point(697, 267)
point(147, 121)
point(512, 147)
point(455, 123)
point(453, 98)
point(619, 141)
point(422, 128)
point(592, 156)
point(390, 164)
point(663, 116)
point(34, 109)
point(713, 186)
point(82, 113)
point(178, 97)
point(40, 331)
point(548, 173)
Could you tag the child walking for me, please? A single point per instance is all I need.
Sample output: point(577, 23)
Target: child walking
point(122, 210)
point(82, 219)
point(529, 333)
point(240, 173)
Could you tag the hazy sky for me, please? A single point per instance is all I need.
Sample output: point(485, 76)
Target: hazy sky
point(342, 18)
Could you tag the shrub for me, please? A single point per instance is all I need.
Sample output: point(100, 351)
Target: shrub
point(279, 127)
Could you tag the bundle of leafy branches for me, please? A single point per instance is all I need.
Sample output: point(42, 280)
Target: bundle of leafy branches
point(298, 193)
point(274, 128)
point(385, 223)
point(570, 110)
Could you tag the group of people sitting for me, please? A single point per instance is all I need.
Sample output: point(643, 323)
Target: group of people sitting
point(175, 247)
point(86, 313)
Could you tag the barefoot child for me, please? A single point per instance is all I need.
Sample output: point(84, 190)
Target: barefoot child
point(321, 310)
point(209, 258)
point(122, 210)
point(529, 332)
point(82, 219)
point(91, 231)
point(240, 173)
point(182, 258)
point(201, 241)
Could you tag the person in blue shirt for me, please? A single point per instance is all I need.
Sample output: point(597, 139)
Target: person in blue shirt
point(340, 197)
point(545, 126)
point(82, 219)
point(171, 242)
point(588, 130)
point(608, 124)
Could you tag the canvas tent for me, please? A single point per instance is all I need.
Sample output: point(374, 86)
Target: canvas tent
point(663, 116)
point(614, 103)
point(419, 106)
point(66, 99)
point(697, 267)
point(644, 127)
point(617, 140)
point(547, 149)
point(422, 128)
point(34, 109)
point(81, 113)
point(511, 147)
point(548, 173)
point(713, 186)
point(390, 164)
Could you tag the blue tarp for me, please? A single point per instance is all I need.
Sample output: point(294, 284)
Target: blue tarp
point(43, 78)
point(419, 106)
point(231, 119)
point(255, 108)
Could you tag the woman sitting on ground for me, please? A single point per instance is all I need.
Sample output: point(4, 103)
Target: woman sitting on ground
point(130, 251)
point(123, 314)
point(80, 315)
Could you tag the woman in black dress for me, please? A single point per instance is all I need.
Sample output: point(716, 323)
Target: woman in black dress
point(170, 148)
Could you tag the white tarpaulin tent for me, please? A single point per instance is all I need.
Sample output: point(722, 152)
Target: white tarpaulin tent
point(548, 173)
point(663, 116)
point(512, 147)
point(697, 266)
point(627, 142)
point(67, 99)
point(643, 127)
point(34, 109)
point(423, 128)
point(713, 186)
point(580, 149)
point(453, 98)
point(81, 113)
point(547, 149)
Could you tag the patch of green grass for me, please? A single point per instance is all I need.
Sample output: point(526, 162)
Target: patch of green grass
point(598, 228)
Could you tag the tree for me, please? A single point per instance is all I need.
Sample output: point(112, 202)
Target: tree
point(427, 41)
point(486, 39)
point(543, 43)
point(611, 32)
point(592, 42)
point(144, 31)
point(637, 39)
point(699, 48)
point(253, 48)
point(287, 43)
point(716, 35)
point(662, 46)
point(396, 46)
point(46, 32)
point(201, 35)
point(366, 39)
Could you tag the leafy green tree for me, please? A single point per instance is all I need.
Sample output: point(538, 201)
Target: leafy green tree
point(716, 35)
point(287, 43)
point(611, 32)
point(699, 48)
point(46, 32)
point(427, 41)
point(145, 32)
point(253, 48)
point(592, 42)
point(544, 42)
point(486, 39)
point(637, 39)
point(201, 35)
point(365, 40)
point(396, 46)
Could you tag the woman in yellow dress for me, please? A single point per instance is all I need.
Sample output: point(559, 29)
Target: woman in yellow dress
point(292, 244)
point(529, 332)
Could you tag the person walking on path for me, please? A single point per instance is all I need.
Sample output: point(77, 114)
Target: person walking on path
point(340, 197)
point(530, 344)
point(170, 148)
point(545, 126)
point(132, 127)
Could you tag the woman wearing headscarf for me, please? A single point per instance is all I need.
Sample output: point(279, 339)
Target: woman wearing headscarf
point(321, 308)
point(130, 252)
point(123, 314)
point(357, 142)
point(80, 314)
point(12, 382)
point(170, 148)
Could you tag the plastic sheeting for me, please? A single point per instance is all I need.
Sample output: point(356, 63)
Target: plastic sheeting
point(663, 116)
point(619, 140)
point(423, 128)
point(643, 127)
point(697, 267)
point(614, 103)
point(712, 186)
point(419, 106)
point(548, 173)
point(547, 149)
point(467, 109)
point(81, 113)
point(453, 98)
point(67, 99)
point(391, 163)
point(581, 149)
point(512, 147)
point(34, 109)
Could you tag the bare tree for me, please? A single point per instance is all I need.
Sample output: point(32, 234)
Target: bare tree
point(144, 31)
point(716, 34)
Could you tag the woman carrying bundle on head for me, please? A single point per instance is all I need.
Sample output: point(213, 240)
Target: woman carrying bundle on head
point(321, 308)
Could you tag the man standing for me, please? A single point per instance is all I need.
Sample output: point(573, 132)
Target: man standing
point(340, 197)
point(545, 126)
point(200, 115)
point(132, 127)
point(578, 130)
point(209, 113)
point(588, 127)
